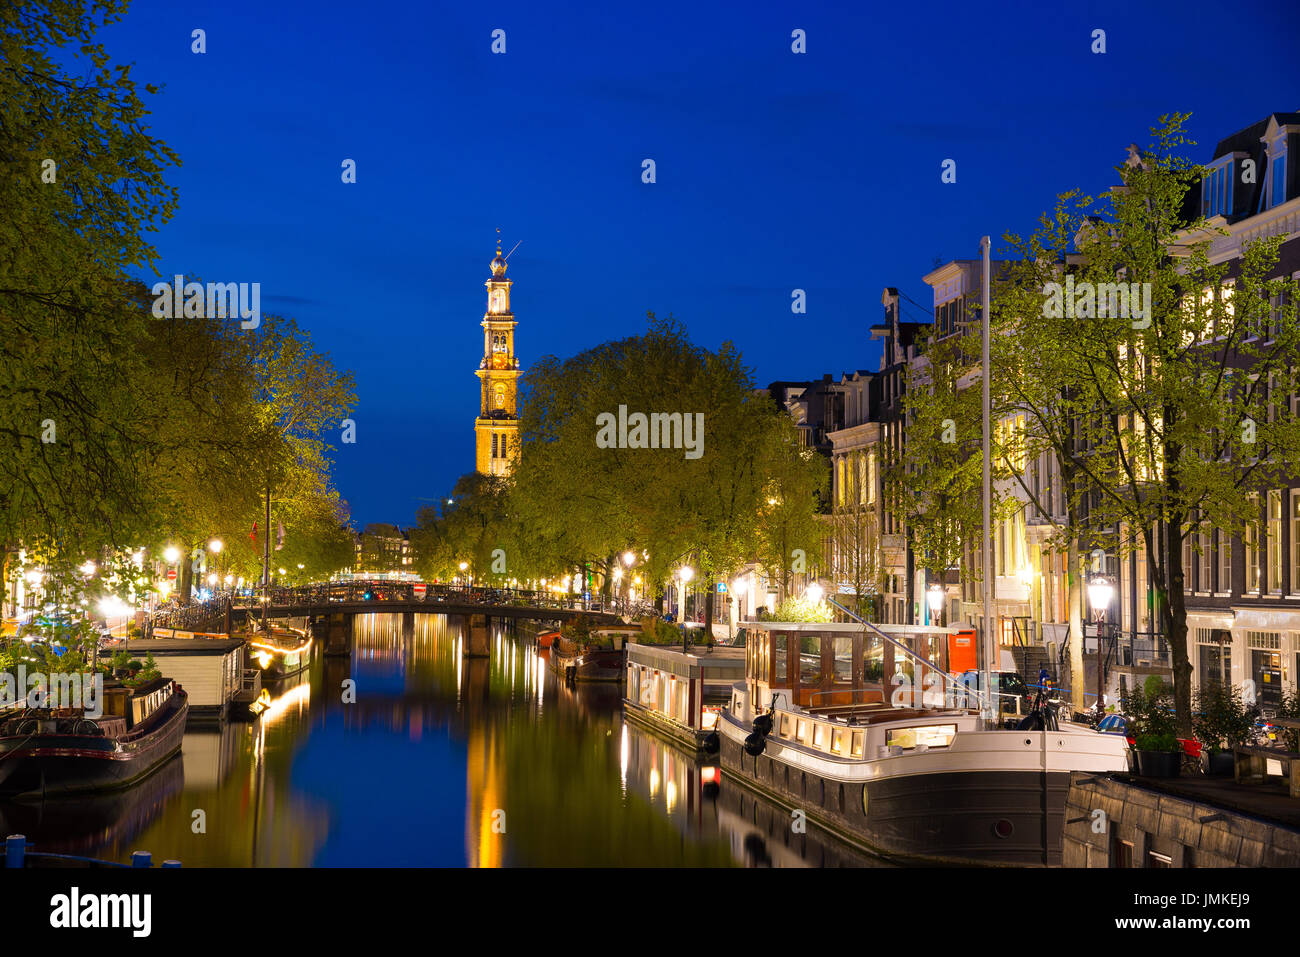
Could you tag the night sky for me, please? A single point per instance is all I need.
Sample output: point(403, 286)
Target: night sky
point(775, 171)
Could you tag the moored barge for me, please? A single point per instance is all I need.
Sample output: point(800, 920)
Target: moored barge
point(600, 659)
point(47, 751)
point(912, 774)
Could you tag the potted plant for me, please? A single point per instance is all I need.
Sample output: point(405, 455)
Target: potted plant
point(1156, 751)
point(121, 661)
point(1221, 721)
point(1157, 755)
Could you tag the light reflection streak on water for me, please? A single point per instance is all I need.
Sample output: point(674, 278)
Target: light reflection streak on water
point(624, 747)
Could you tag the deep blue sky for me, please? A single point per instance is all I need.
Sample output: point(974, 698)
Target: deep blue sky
point(775, 171)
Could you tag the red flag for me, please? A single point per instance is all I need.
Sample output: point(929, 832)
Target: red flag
point(253, 534)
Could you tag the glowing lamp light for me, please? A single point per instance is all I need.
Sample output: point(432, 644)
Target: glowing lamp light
point(113, 607)
point(172, 554)
point(215, 546)
point(685, 573)
point(1099, 594)
point(463, 566)
point(934, 596)
point(301, 566)
point(628, 558)
point(88, 568)
point(281, 571)
point(212, 579)
point(34, 577)
point(1027, 575)
point(230, 579)
point(618, 574)
point(815, 593)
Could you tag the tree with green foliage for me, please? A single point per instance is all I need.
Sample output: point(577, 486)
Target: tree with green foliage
point(81, 186)
point(584, 497)
point(1163, 405)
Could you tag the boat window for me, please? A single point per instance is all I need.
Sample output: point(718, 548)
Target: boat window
point(802, 733)
point(844, 659)
point(859, 738)
point(785, 726)
point(930, 735)
point(837, 740)
point(810, 660)
point(903, 664)
point(873, 659)
point(778, 658)
point(819, 735)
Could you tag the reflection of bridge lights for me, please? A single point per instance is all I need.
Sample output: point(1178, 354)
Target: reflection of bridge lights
point(654, 782)
point(624, 749)
point(670, 794)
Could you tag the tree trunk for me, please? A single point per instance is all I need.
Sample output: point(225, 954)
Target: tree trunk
point(708, 612)
point(1174, 619)
point(187, 577)
point(1074, 584)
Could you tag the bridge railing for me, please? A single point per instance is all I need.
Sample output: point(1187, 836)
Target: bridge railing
point(405, 592)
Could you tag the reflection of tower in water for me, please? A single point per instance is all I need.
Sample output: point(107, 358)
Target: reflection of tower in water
point(484, 784)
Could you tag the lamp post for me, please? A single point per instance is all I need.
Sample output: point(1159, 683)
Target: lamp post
point(684, 574)
point(934, 597)
point(629, 557)
point(1100, 592)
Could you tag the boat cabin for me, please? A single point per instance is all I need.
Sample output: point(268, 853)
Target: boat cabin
point(822, 666)
point(210, 670)
point(133, 705)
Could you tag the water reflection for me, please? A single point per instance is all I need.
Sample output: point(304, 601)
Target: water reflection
point(407, 753)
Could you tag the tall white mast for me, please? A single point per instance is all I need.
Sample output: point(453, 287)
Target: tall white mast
point(990, 639)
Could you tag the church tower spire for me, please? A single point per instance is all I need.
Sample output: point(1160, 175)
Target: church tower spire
point(496, 430)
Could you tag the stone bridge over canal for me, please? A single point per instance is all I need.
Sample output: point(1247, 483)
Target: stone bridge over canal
point(333, 605)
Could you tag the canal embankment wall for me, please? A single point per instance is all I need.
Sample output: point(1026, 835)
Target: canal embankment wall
point(1112, 822)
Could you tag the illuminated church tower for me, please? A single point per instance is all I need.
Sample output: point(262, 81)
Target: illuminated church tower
point(496, 430)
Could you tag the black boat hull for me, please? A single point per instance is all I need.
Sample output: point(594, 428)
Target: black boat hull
point(53, 764)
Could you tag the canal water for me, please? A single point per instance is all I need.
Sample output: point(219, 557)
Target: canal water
point(440, 760)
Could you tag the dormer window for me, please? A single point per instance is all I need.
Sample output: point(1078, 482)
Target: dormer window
point(1216, 190)
point(1277, 172)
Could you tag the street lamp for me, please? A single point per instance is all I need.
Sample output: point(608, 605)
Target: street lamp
point(172, 554)
point(628, 558)
point(684, 575)
point(214, 546)
point(934, 596)
point(814, 593)
point(1100, 592)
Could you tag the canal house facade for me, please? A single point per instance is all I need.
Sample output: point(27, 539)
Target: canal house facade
point(1242, 591)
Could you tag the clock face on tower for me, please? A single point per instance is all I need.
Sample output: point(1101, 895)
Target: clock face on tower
point(500, 361)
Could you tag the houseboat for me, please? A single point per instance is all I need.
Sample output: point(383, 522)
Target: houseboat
point(211, 669)
point(600, 659)
point(678, 695)
point(58, 751)
point(279, 652)
point(547, 638)
point(867, 729)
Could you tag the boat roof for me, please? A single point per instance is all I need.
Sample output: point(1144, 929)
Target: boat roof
point(182, 646)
